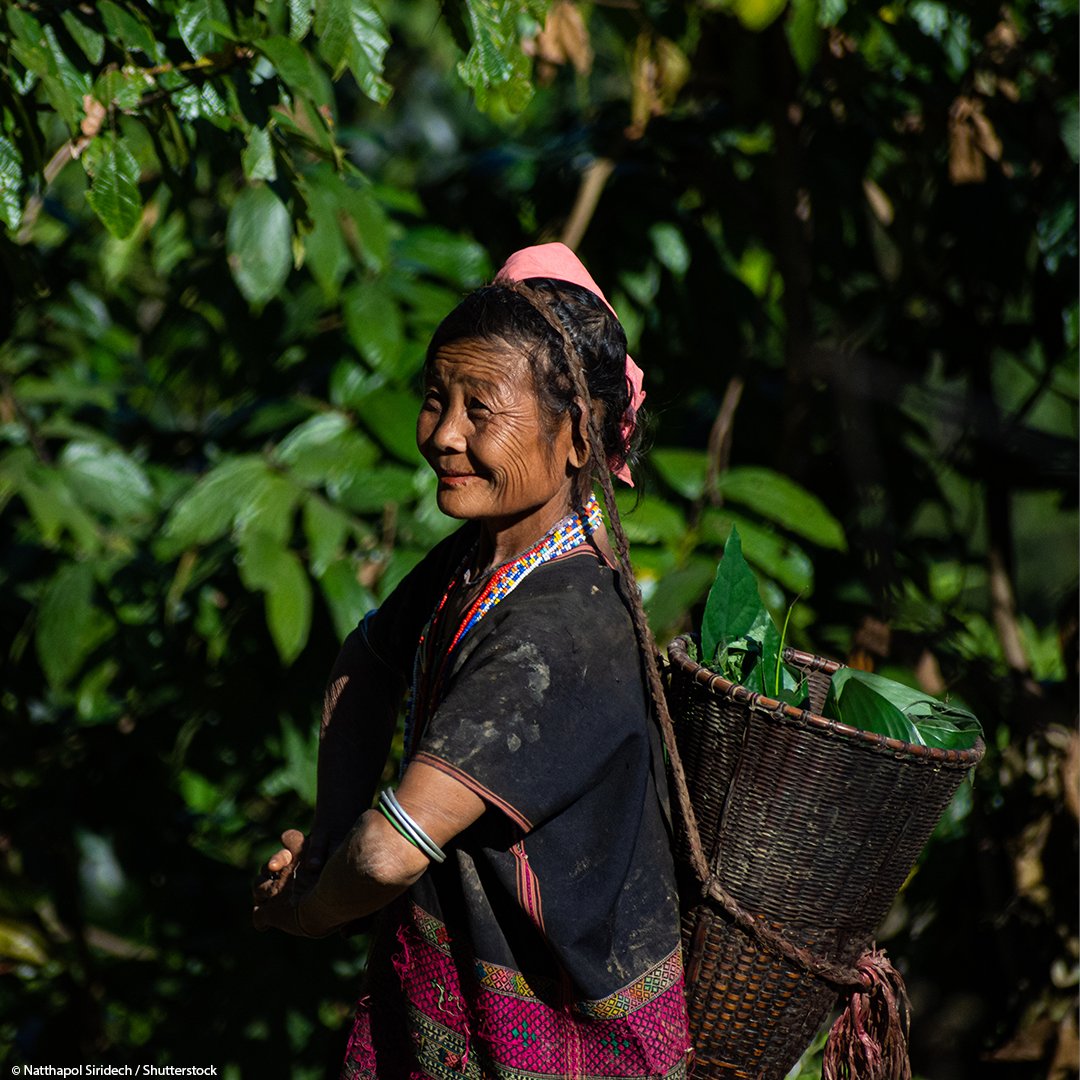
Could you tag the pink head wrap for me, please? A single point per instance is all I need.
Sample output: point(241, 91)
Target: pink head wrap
point(558, 261)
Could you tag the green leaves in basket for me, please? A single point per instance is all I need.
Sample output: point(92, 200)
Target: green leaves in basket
point(871, 702)
point(738, 637)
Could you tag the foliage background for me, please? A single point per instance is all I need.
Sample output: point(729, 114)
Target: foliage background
point(842, 239)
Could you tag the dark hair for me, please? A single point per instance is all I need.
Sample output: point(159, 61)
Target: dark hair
point(551, 320)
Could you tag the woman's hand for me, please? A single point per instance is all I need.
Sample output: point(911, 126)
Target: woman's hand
point(288, 876)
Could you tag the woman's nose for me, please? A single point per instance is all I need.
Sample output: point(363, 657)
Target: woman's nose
point(448, 434)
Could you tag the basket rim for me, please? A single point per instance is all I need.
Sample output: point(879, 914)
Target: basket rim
point(804, 718)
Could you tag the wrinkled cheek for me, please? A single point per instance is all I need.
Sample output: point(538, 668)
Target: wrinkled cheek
point(514, 482)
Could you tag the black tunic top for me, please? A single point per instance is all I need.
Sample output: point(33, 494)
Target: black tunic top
point(557, 908)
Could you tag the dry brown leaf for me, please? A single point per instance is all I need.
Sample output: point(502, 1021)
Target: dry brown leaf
point(1028, 863)
point(967, 161)
point(94, 118)
point(564, 39)
point(879, 202)
point(1067, 1054)
point(658, 71)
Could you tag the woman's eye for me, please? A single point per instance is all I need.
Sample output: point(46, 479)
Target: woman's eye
point(432, 401)
point(476, 405)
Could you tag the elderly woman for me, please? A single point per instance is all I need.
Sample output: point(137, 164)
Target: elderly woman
point(529, 922)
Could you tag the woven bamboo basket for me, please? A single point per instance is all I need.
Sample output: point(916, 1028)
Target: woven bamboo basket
point(812, 826)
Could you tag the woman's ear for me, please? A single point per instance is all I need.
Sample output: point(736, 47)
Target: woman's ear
point(580, 456)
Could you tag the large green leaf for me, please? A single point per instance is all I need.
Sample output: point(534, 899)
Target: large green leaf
point(69, 627)
point(390, 415)
point(733, 605)
point(11, 180)
point(767, 550)
point(352, 34)
point(114, 192)
point(347, 599)
point(650, 519)
point(779, 499)
point(325, 527)
point(107, 480)
point(370, 41)
point(194, 20)
point(294, 64)
point(89, 40)
point(934, 723)
point(208, 510)
point(259, 242)
point(375, 325)
point(267, 566)
point(682, 470)
point(856, 704)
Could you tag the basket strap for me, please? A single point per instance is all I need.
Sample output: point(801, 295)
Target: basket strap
point(842, 976)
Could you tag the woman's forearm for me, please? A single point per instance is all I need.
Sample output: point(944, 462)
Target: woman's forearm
point(366, 872)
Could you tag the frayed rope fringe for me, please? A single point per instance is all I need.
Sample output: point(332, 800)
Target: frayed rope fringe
point(869, 1039)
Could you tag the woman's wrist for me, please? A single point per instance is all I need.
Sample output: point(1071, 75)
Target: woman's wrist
point(313, 917)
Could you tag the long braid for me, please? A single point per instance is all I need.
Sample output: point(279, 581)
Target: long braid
point(628, 585)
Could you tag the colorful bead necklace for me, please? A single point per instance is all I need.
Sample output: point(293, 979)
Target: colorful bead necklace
point(573, 531)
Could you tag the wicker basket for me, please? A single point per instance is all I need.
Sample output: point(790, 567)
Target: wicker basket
point(812, 826)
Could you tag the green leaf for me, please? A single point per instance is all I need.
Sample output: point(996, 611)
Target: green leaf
point(351, 33)
point(734, 605)
point(454, 258)
point(20, 942)
point(326, 451)
point(375, 325)
point(682, 470)
point(757, 14)
point(373, 489)
point(11, 180)
point(89, 40)
point(258, 156)
point(114, 193)
point(935, 723)
point(390, 415)
point(650, 520)
point(332, 31)
point(768, 551)
point(267, 566)
point(193, 21)
point(325, 253)
point(107, 480)
point(258, 239)
point(779, 499)
point(347, 599)
point(325, 528)
point(208, 510)
point(269, 506)
point(670, 247)
point(495, 67)
point(372, 225)
point(301, 16)
point(853, 702)
point(120, 89)
point(370, 41)
point(133, 33)
point(804, 34)
point(69, 627)
point(293, 64)
point(677, 592)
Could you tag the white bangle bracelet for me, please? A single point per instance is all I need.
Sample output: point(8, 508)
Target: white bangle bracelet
point(397, 815)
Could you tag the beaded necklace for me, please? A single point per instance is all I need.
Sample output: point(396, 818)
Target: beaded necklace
point(569, 533)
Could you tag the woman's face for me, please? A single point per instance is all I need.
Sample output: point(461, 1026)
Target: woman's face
point(481, 430)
